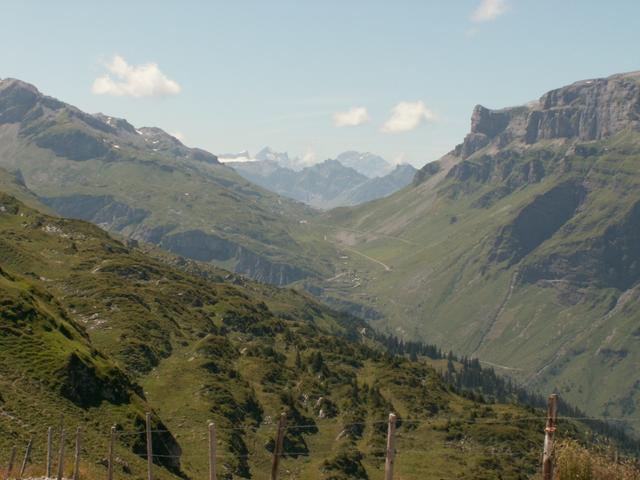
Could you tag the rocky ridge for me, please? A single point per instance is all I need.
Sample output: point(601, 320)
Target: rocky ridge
point(585, 111)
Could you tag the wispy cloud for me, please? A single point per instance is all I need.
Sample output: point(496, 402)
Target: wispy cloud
point(351, 118)
point(179, 135)
point(146, 80)
point(310, 157)
point(406, 116)
point(489, 10)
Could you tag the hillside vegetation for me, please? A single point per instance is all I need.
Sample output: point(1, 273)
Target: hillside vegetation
point(100, 332)
point(520, 247)
point(145, 184)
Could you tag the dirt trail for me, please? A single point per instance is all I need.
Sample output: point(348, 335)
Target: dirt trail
point(386, 267)
point(370, 232)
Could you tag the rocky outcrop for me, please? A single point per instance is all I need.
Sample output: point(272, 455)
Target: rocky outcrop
point(504, 171)
point(609, 260)
point(199, 245)
point(86, 387)
point(263, 269)
point(208, 247)
point(584, 111)
point(16, 99)
point(426, 172)
point(537, 222)
point(103, 210)
point(166, 449)
point(73, 144)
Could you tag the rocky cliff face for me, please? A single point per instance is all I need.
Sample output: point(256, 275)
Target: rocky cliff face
point(586, 110)
point(207, 247)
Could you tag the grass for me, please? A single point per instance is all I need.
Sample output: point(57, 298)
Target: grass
point(574, 462)
point(443, 289)
point(193, 348)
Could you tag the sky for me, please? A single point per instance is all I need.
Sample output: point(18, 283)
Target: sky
point(314, 78)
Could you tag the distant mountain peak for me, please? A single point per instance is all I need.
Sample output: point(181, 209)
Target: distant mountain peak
point(268, 153)
point(69, 132)
point(14, 83)
point(117, 123)
point(366, 163)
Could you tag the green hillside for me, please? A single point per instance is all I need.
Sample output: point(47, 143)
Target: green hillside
point(520, 247)
point(101, 332)
point(145, 184)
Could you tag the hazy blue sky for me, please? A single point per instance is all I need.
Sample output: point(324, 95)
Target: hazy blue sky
point(240, 75)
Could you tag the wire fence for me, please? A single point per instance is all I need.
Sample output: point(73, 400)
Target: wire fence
point(396, 447)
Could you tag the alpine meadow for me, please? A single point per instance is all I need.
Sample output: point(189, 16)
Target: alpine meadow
point(415, 280)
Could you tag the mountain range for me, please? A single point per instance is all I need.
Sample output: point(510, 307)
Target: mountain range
point(349, 179)
point(146, 185)
point(101, 332)
point(328, 184)
point(521, 246)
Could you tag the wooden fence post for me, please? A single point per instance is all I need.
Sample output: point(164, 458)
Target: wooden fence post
point(550, 428)
point(277, 449)
point(61, 456)
point(112, 446)
point(76, 458)
point(212, 451)
point(149, 448)
point(391, 447)
point(12, 459)
point(49, 452)
point(25, 460)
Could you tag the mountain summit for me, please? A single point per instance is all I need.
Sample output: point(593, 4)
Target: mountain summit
point(365, 163)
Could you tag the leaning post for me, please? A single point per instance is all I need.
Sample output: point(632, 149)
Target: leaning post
point(149, 448)
point(277, 450)
point(212, 451)
point(391, 447)
point(25, 460)
point(549, 431)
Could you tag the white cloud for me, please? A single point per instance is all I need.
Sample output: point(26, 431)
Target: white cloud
point(399, 159)
point(351, 118)
point(406, 116)
point(179, 135)
point(144, 80)
point(489, 10)
point(309, 157)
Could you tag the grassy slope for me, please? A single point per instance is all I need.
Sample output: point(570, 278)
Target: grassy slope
point(179, 193)
point(205, 350)
point(48, 371)
point(441, 287)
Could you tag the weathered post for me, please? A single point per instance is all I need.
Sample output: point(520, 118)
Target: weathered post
point(212, 451)
point(277, 449)
point(550, 428)
point(149, 449)
point(12, 459)
point(391, 447)
point(61, 456)
point(25, 460)
point(76, 458)
point(49, 452)
point(112, 446)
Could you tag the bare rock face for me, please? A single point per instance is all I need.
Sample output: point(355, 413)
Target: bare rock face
point(16, 99)
point(586, 110)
